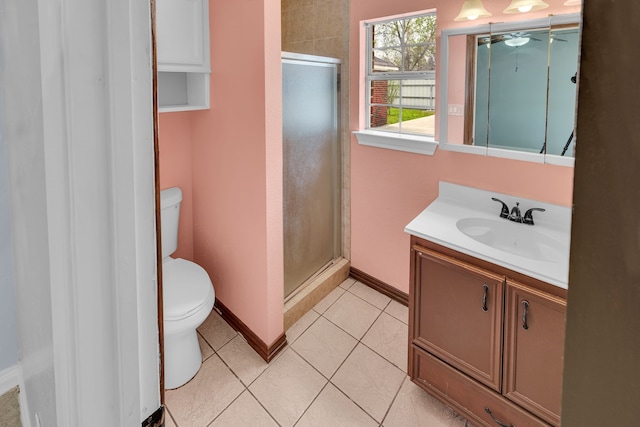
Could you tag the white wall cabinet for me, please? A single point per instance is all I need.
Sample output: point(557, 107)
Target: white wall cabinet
point(182, 36)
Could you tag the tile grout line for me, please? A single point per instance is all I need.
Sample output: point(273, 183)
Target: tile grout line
point(245, 386)
point(263, 407)
point(312, 401)
point(395, 397)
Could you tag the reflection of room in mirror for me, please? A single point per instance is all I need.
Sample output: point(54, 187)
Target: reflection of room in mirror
point(563, 63)
point(512, 75)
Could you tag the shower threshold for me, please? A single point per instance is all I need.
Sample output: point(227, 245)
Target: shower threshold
point(315, 289)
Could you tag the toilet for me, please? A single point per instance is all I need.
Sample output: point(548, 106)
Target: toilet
point(188, 298)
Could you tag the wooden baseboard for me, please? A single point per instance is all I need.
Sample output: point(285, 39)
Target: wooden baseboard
point(267, 352)
point(380, 286)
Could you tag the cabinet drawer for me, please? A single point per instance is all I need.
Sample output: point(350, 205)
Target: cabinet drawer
point(466, 395)
point(460, 315)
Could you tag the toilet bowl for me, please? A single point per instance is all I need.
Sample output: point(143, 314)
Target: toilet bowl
point(188, 297)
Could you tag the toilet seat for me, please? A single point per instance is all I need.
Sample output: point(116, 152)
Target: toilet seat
point(186, 289)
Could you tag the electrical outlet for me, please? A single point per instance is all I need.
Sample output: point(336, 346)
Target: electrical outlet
point(455, 110)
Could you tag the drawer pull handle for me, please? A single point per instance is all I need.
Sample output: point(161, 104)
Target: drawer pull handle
point(525, 306)
point(501, 424)
point(484, 298)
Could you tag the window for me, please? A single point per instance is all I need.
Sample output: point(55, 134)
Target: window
point(400, 84)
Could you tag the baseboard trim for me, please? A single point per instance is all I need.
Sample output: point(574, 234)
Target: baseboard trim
point(380, 286)
point(267, 352)
point(156, 419)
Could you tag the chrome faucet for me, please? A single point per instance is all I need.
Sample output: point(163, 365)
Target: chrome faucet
point(515, 215)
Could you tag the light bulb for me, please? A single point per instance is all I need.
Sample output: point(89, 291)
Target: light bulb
point(471, 10)
point(524, 6)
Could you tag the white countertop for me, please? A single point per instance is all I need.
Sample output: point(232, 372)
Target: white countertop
point(437, 223)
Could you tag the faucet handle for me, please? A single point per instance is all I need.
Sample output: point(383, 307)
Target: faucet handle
point(504, 213)
point(528, 215)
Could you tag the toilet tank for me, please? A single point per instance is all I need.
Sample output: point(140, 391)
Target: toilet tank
point(169, 217)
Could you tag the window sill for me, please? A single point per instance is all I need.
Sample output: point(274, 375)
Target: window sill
point(401, 142)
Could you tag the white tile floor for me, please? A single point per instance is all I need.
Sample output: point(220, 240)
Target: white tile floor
point(345, 365)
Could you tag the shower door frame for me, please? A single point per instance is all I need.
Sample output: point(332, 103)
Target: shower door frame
point(336, 161)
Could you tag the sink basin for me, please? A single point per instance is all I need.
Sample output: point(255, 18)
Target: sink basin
point(514, 238)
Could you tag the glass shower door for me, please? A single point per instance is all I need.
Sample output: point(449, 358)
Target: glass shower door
point(311, 167)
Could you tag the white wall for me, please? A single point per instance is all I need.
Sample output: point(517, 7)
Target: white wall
point(8, 319)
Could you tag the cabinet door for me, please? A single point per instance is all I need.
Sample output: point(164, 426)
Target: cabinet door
point(182, 26)
point(534, 350)
point(458, 315)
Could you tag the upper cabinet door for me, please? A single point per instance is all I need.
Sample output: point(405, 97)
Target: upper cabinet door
point(182, 35)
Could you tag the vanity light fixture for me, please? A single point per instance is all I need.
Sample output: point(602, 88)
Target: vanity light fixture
point(523, 6)
point(572, 3)
point(471, 10)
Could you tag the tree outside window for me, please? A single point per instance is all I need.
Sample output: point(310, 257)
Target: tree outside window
point(401, 74)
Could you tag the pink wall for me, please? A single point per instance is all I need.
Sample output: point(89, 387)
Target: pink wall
point(228, 161)
point(389, 188)
point(237, 165)
point(174, 143)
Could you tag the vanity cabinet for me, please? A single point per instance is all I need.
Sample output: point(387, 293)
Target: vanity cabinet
point(487, 341)
point(184, 66)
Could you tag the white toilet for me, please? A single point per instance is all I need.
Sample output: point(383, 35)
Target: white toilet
point(188, 298)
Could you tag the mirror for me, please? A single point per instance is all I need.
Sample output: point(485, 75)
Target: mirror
point(509, 89)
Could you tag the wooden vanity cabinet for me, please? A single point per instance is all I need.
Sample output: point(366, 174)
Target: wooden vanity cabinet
point(534, 350)
point(497, 366)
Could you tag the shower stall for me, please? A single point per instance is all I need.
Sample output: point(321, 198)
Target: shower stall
point(311, 167)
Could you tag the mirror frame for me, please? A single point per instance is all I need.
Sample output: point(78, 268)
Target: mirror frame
point(443, 87)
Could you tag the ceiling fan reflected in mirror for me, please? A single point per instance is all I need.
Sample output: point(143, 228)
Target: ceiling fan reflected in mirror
point(514, 39)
